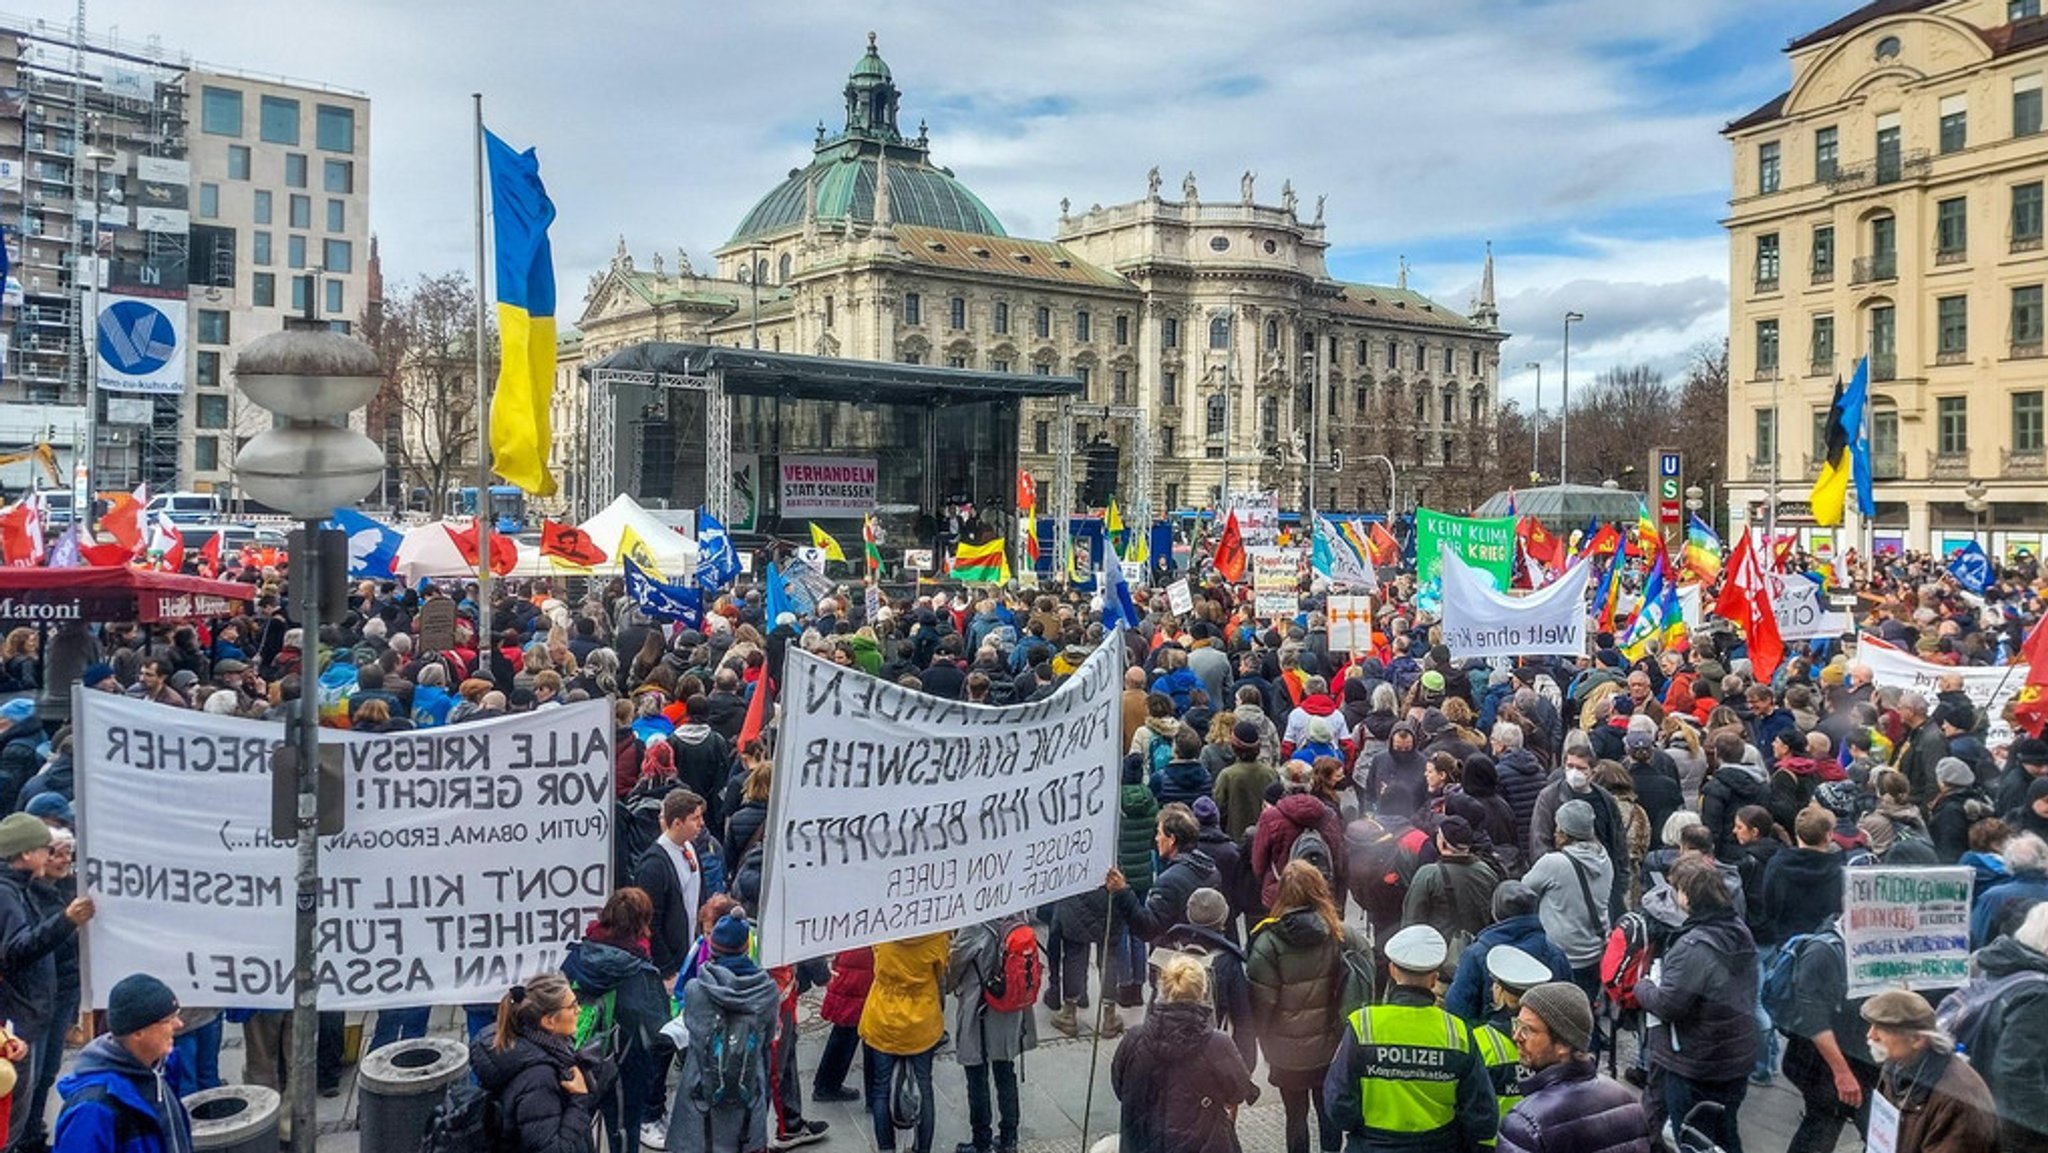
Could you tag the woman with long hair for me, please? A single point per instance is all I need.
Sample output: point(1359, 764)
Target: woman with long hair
point(549, 1092)
point(614, 958)
point(1296, 968)
point(1179, 1079)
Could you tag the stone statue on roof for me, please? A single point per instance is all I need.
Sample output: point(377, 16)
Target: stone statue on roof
point(683, 262)
point(1319, 206)
point(1066, 208)
point(659, 271)
point(1244, 185)
point(622, 260)
point(1152, 183)
point(1187, 187)
point(1287, 201)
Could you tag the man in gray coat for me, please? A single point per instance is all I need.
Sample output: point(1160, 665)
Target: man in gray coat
point(986, 1039)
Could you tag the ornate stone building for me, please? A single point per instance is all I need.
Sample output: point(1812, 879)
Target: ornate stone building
point(1212, 329)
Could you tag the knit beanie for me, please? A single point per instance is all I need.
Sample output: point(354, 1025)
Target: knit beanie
point(1207, 908)
point(729, 936)
point(138, 1001)
point(1564, 1010)
point(21, 833)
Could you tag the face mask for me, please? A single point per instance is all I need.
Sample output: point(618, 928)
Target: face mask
point(1878, 1056)
point(1577, 779)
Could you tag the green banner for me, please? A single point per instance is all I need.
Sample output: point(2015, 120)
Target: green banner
point(1487, 545)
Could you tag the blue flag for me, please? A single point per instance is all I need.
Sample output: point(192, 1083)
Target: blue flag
point(1855, 402)
point(372, 547)
point(777, 601)
point(662, 601)
point(717, 562)
point(1117, 606)
point(1971, 568)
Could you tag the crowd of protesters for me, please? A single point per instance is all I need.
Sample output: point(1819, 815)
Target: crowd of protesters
point(1382, 884)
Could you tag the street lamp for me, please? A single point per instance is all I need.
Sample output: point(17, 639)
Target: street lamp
point(1392, 505)
point(82, 470)
point(1695, 498)
point(1564, 418)
point(1973, 499)
point(1536, 425)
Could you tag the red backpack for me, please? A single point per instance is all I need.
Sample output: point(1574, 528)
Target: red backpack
point(1019, 977)
point(1625, 960)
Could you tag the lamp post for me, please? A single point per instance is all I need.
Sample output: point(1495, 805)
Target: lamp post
point(1536, 425)
point(1392, 505)
point(1564, 415)
point(1973, 499)
point(88, 462)
point(310, 464)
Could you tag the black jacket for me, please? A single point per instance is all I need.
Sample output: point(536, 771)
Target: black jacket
point(1521, 781)
point(1179, 1081)
point(540, 1115)
point(1949, 820)
point(1802, 888)
point(726, 713)
point(1657, 791)
point(18, 758)
point(1166, 904)
point(2009, 1054)
point(1724, 794)
point(1705, 999)
point(675, 915)
point(1570, 1108)
point(28, 946)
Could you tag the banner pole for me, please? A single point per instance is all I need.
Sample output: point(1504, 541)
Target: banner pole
point(484, 512)
point(1107, 1005)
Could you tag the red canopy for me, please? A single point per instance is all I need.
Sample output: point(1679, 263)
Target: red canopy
point(105, 593)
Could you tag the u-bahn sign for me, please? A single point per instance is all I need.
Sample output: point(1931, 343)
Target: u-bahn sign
point(1667, 496)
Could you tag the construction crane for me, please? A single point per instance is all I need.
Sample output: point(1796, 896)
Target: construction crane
point(39, 452)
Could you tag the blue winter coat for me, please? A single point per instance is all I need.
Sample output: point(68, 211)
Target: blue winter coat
point(116, 1104)
point(1182, 781)
point(1178, 684)
point(1469, 990)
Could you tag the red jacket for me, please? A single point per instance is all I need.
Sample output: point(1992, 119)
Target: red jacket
point(853, 974)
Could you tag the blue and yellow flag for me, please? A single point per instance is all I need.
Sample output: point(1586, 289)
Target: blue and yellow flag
point(521, 213)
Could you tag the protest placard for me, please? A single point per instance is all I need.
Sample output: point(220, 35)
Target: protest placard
point(1487, 545)
point(1479, 622)
point(1276, 582)
point(1906, 928)
point(471, 858)
point(895, 813)
point(1258, 517)
point(1989, 687)
point(1802, 613)
point(1179, 597)
point(1350, 624)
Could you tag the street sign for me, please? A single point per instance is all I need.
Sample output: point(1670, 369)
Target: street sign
point(1667, 470)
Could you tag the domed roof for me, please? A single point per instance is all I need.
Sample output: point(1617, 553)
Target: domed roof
point(918, 194)
point(870, 64)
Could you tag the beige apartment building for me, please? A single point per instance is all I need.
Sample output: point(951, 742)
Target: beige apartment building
point(1890, 204)
point(1203, 320)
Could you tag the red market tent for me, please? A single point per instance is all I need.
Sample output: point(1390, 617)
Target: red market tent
point(101, 593)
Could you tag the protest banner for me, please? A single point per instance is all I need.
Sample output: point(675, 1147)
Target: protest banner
point(1180, 598)
point(1350, 624)
point(1989, 687)
point(1258, 517)
point(1906, 928)
point(1480, 622)
point(826, 486)
point(1276, 582)
point(1487, 545)
point(472, 856)
point(1803, 615)
point(895, 813)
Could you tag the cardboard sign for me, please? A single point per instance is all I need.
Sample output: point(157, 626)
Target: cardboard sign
point(434, 625)
point(1180, 598)
point(1276, 582)
point(1906, 928)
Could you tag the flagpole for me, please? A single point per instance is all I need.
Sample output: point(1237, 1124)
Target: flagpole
point(484, 511)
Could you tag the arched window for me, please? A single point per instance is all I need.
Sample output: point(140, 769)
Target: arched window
point(1364, 400)
point(1450, 405)
point(782, 269)
point(1272, 335)
point(1219, 332)
point(1421, 405)
point(1478, 406)
point(1215, 415)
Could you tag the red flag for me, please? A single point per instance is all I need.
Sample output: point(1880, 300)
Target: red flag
point(104, 555)
point(563, 542)
point(1746, 598)
point(1606, 542)
point(124, 521)
point(1381, 543)
point(1540, 544)
point(166, 546)
point(209, 555)
point(1230, 551)
point(504, 553)
point(757, 712)
point(16, 529)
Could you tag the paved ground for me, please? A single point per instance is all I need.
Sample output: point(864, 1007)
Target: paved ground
point(1054, 1091)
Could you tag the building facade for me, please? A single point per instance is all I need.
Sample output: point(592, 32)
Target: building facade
point(224, 200)
point(1211, 328)
point(1890, 205)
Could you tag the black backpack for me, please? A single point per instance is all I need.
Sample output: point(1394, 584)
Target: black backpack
point(732, 1061)
point(638, 822)
point(468, 1120)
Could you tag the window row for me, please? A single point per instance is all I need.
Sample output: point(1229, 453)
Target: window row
point(1951, 128)
point(2027, 410)
point(2024, 228)
point(278, 119)
point(2024, 334)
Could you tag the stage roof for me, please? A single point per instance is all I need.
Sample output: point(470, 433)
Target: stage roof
point(747, 372)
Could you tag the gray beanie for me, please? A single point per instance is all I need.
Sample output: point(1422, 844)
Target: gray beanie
point(1564, 1010)
point(1207, 908)
point(1954, 773)
point(1575, 820)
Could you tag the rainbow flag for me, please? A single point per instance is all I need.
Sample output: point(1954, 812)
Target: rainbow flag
point(981, 563)
point(1702, 559)
point(1607, 598)
point(1659, 616)
point(521, 436)
point(1649, 542)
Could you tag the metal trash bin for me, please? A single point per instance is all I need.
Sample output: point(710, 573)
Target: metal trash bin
point(400, 1087)
point(235, 1119)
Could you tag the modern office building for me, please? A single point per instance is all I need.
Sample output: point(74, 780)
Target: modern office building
point(1890, 204)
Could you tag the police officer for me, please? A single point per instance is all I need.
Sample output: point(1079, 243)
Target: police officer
point(1514, 972)
point(1408, 1076)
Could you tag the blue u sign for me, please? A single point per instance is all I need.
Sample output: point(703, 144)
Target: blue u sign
point(136, 338)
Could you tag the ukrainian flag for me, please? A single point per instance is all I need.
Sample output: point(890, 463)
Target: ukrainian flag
point(521, 213)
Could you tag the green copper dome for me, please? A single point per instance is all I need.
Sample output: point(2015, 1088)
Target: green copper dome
point(844, 169)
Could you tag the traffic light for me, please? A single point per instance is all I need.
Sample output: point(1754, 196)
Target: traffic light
point(1099, 481)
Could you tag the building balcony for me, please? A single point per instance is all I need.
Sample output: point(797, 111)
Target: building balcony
point(2026, 349)
point(1823, 275)
point(1952, 256)
point(2030, 243)
point(1887, 466)
point(1948, 465)
point(1886, 169)
point(1757, 469)
point(1952, 356)
point(1767, 283)
point(1871, 269)
point(1810, 465)
point(1764, 373)
point(2032, 462)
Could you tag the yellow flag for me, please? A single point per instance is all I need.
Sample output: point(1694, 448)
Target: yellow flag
point(635, 549)
point(1112, 520)
point(822, 539)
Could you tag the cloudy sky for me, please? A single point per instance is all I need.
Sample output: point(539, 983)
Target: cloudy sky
point(1579, 136)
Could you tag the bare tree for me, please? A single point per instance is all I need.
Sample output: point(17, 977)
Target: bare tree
point(1703, 411)
point(1615, 423)
point(426, 339)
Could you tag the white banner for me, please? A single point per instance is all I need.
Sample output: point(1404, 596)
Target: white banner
point(834, 486)
point(1350, 624)
point(1258, 517)
point(1802, 614)
point(1479, 622)
point(141, 343)
point(895, 813)
point(157, 170)
point(1906, 928)
point(10, 176)
point(472, 856)
point(175, 221)
point(1990, 687)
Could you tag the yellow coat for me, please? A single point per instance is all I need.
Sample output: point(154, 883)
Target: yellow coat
point(906, 1008)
